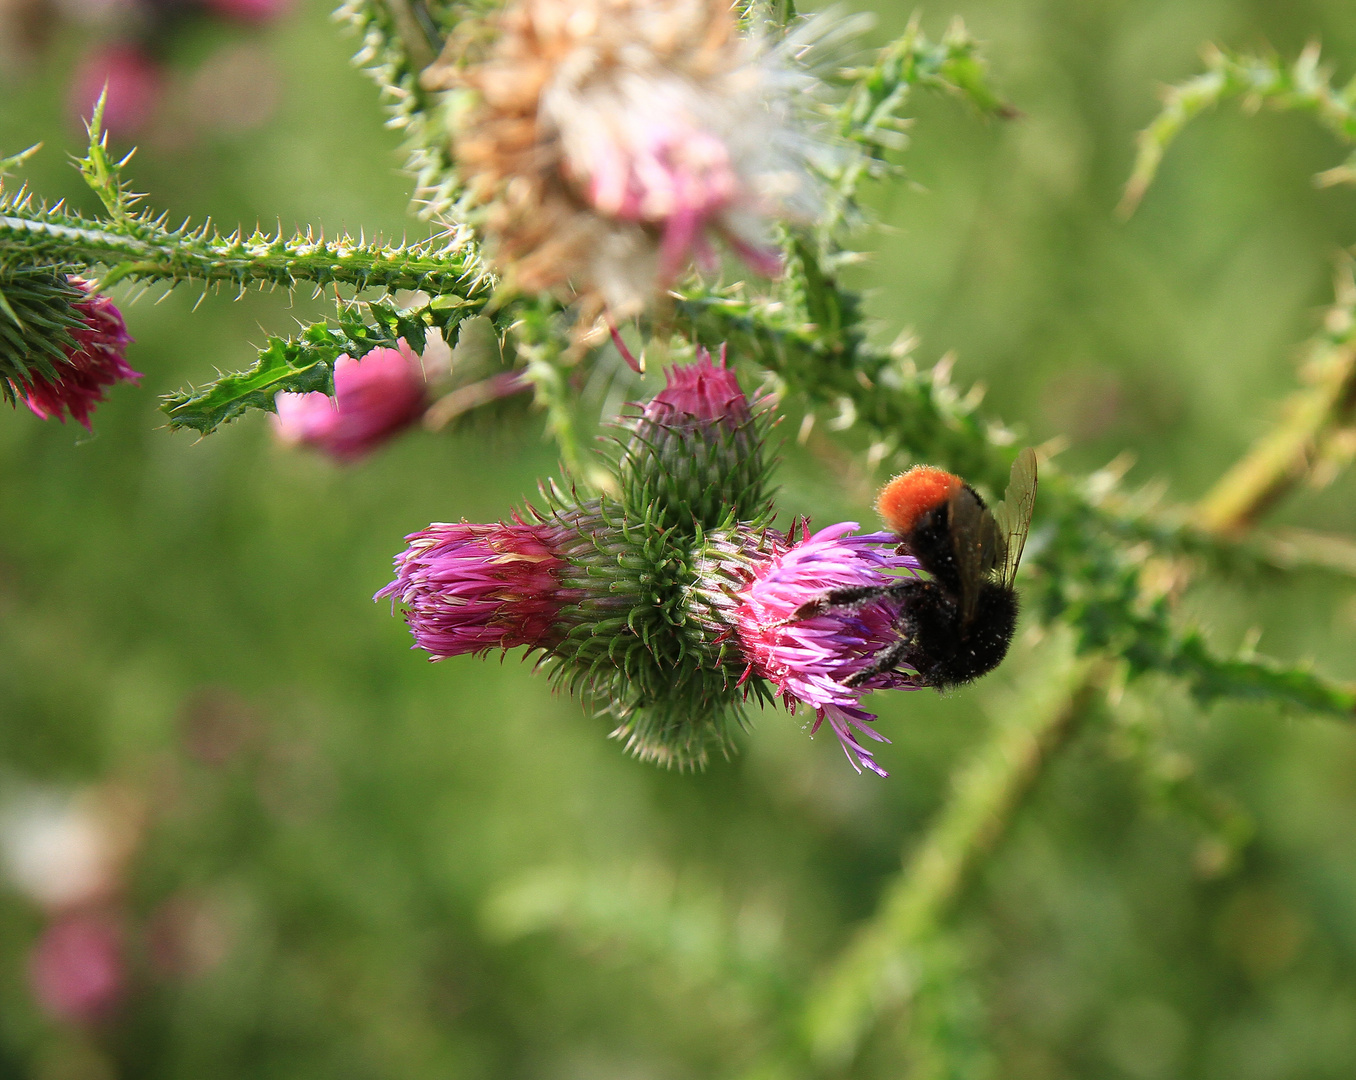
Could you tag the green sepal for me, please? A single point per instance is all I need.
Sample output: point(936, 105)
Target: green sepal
point(37, 315)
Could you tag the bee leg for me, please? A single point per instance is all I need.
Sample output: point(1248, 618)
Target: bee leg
point(837, 599)
point(886, 660)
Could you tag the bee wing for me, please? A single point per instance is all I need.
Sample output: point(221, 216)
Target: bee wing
point(978, 546)
point(1013, 514)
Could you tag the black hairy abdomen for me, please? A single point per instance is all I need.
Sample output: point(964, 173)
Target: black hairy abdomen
point(944, 650)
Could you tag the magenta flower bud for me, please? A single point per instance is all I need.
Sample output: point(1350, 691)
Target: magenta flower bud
point(95, 361)
point(696, 450)
point(699, 393)
point(473, 588)
point(77, 970)
point(375, 398)
point(810, 660)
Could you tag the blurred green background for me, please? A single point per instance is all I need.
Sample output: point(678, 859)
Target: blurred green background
point(393, 869)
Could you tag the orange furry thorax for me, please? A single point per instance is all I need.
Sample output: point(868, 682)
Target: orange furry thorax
point(913, 493)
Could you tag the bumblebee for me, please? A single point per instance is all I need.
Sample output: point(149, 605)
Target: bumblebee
point(957, 623)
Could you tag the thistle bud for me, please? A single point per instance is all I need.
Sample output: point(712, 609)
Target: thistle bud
point(695, 455)
point(614, 140)
point(92, 359)
point(375, 398)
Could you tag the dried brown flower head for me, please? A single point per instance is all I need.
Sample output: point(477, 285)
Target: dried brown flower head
point(611, 141)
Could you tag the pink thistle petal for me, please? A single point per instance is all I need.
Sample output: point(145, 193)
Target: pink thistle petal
point(96, 362)
point(811, 660)
point(473, 588)
point(375, 398)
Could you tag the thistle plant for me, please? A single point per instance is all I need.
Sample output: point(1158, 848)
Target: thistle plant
point(583, 169)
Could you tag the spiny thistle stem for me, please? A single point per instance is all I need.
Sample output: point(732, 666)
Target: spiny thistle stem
point(1286, 455)
point(143, 250)
point(1303, 86)
point(873, 974)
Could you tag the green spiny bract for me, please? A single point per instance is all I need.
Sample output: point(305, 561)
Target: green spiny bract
point(647, 643)
point(694, 458)
point(37, 315)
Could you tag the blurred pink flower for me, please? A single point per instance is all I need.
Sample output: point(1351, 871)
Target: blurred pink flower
point(615, 142)
point(375, 397)
point(96, 362)
point(134, 83)
point(77, 969)
point(255, 11)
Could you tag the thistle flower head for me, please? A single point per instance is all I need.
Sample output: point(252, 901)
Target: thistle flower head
point(375, 397)
point(473, 588)
point(670, 605)
point(614, 140)
point(810, 660)
point(94, 360)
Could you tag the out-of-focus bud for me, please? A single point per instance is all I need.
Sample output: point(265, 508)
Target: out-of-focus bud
point(375, 398)
point(250, 11)
point(134, 81)
point(77, 969)
point(188, 936)
point(94, 360)
point(614, 142)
